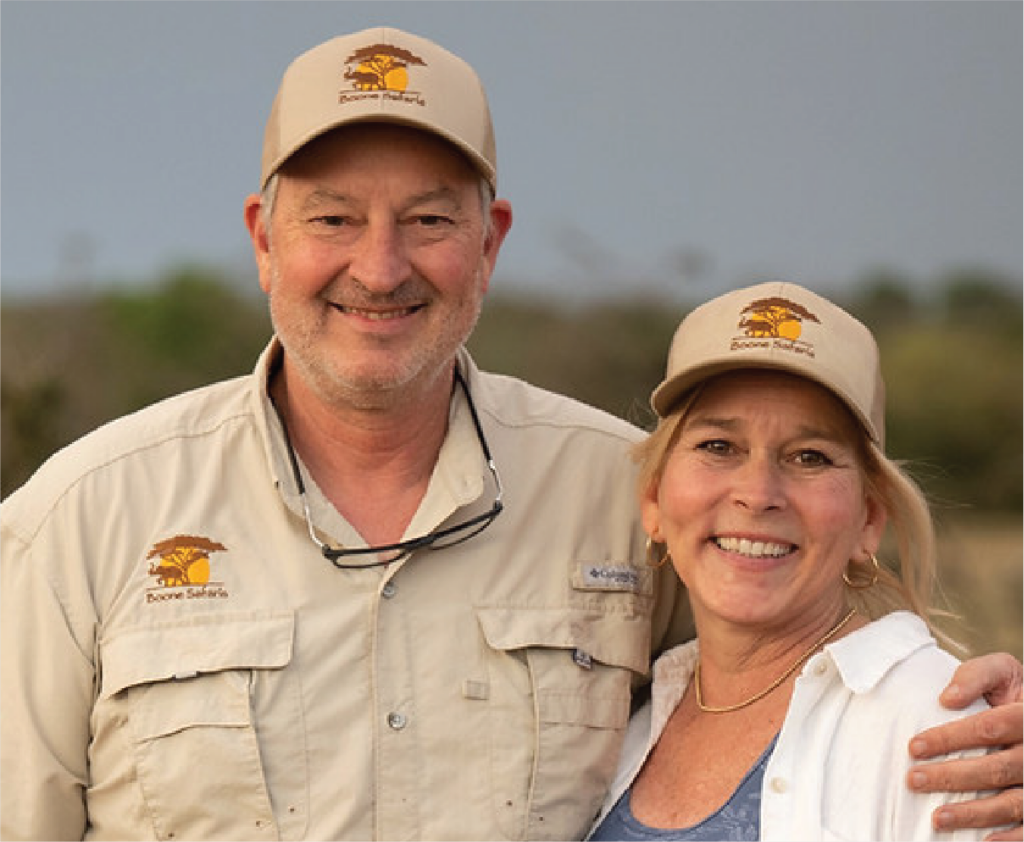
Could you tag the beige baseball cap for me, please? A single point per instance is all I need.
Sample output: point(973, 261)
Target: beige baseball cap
point(782, 326)
point(380, 75)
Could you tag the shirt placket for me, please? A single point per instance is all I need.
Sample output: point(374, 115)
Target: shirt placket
point(397, 750)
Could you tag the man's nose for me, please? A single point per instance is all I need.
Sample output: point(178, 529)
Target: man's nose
point(380, 262)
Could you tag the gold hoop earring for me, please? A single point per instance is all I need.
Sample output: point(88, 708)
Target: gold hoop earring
point(650, 553)
point(864, 585)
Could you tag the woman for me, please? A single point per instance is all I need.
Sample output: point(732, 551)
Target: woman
point(767, 486)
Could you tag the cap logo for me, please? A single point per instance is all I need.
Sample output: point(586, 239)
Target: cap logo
point(183, 569)
point(381, 70)
point(774, 322)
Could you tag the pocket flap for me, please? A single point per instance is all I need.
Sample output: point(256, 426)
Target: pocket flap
point(611, 638)
point(200, 644)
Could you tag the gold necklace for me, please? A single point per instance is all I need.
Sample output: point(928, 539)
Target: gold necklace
point(828, 636)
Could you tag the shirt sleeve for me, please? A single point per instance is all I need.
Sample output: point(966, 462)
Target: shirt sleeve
point(47, 691)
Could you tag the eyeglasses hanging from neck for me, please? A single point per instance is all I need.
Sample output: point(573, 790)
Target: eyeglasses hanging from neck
point(437, 539)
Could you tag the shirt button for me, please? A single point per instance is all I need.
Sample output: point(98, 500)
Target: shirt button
point(396, 721)
point(389, 590)
point(821, 668)
point(779, 785)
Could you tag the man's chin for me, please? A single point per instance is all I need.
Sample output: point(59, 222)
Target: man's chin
point(372, 387)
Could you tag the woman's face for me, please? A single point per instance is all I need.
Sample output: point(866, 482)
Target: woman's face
point(762, 501)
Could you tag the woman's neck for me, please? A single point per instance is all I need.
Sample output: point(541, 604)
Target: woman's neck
point(738, 662)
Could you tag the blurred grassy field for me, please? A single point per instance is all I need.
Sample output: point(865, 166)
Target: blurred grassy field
point(981, 559)
point(953, 361)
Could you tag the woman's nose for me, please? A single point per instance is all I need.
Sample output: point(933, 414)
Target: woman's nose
point(759, 485)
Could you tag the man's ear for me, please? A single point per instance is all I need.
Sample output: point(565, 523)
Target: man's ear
point(501, 224)
point(260, 237)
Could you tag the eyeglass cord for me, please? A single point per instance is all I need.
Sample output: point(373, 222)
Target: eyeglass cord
point(403, 548)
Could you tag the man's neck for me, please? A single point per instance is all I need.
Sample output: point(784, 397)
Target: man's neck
point(374, 466)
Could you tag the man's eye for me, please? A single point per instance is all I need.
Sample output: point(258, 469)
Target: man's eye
point(715, 446)
point(330, 220)
point(432, 220)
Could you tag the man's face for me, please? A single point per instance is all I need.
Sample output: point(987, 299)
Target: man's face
point(378, 256)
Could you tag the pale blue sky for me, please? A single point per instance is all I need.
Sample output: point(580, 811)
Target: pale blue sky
point(816, 141)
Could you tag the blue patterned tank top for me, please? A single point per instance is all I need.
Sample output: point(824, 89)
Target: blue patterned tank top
point(739, 818)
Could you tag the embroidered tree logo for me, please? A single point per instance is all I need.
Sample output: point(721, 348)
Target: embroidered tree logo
point(184, 560)
point(776, 318)
point(381, 67)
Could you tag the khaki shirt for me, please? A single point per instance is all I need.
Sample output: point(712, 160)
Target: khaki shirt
point(180, 661)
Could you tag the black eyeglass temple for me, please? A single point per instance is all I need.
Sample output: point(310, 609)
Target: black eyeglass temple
point(404, 548)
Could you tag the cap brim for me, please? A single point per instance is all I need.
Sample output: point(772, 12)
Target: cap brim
point(481, 164)
point(667, 395)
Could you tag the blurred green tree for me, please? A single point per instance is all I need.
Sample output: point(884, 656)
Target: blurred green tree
point(952, 361)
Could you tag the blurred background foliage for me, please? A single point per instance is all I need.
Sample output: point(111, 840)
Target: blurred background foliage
point(951, 352)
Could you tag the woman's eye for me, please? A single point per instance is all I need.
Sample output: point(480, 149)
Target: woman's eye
point(715, 446)
point(811, 458)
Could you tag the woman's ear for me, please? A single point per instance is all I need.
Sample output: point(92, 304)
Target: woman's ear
point(875, 519)
point(650, 513)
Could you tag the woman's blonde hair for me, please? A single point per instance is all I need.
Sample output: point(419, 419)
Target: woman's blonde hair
point(910, 583)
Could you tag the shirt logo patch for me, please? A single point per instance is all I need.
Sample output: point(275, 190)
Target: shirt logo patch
point(182, 569)
point(381, 71)
point(611, 577)
point(774, 322)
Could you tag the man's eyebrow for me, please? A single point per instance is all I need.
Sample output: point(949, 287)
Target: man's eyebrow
point(439, 194)
point(324, 195)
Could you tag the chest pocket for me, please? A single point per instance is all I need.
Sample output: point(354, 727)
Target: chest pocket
point(564, 676)
point(204, 702)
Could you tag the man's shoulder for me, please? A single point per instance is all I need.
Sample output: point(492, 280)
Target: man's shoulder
point(182, 417)
point(514, 403)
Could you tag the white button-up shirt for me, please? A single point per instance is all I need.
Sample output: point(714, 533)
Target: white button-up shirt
point(839, 767)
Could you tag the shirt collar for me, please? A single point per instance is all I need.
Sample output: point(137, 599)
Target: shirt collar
point(267, 420)
point(864, 657)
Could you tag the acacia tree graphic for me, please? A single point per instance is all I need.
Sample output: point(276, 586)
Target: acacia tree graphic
point(376, 63)
point(178, 555)
point(774, 317)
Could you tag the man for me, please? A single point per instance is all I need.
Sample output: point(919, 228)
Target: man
point(370, 591)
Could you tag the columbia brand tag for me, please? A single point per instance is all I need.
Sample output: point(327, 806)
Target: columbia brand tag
point(611, 577)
